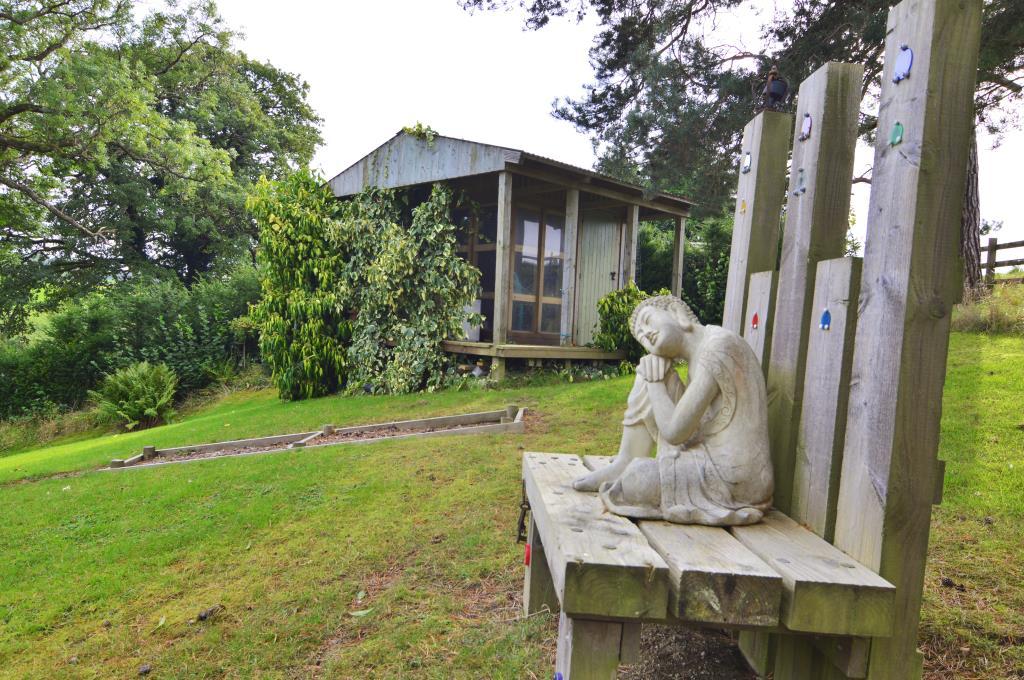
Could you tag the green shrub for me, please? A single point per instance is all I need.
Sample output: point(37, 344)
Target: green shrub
point(1000, 310)
point(613, 311)
point(137, 396)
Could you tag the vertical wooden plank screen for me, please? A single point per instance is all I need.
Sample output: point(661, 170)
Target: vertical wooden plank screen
point(755, 232)
point(910, 281)
point(817, 219)
point(757, 330)
point(678, 250)
point(822, 428)
point(629, 244)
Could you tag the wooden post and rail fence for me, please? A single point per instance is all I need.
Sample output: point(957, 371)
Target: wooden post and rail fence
point(829, 586)
point(991, 262)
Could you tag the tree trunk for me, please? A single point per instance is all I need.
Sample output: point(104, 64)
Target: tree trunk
point(970, 224)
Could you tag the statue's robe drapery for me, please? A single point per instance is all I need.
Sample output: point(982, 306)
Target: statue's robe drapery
point(722, 475)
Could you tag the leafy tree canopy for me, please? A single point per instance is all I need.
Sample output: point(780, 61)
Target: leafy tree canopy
point(671, 96)
point(127, 144)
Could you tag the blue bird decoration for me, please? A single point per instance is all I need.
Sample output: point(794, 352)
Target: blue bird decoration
point(826, 320)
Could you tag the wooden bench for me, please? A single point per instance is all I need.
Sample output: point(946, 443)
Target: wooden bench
point(607, 574)
point(829, 585)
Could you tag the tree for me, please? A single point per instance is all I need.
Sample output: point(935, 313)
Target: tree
point(127, 147)
point(670, 98)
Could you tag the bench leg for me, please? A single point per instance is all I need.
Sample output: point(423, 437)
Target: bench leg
point(538, 588)
point(587, 650)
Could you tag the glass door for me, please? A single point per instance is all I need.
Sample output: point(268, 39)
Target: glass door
point(537, 261)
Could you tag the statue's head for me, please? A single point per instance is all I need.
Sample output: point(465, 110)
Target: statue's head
point(662, 323)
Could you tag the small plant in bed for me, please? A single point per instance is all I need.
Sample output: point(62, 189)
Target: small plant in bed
point(138, 396)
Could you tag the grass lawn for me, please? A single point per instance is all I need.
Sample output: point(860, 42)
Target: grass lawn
point(397, 559)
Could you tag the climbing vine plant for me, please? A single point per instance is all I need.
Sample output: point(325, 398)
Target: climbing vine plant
point(302, 316)
point(393, 290)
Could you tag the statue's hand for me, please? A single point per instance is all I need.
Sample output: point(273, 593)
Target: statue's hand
point(653, 368)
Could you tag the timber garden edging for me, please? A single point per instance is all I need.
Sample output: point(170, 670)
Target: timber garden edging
point(506, 420)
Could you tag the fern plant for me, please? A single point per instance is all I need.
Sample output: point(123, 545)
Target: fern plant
point(138, 396)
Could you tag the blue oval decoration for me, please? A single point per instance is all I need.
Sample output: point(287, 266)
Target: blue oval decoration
point(801, 183)
point(904, 61)
point(826, 320)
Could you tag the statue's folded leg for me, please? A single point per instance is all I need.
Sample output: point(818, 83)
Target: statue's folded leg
point(636, 444)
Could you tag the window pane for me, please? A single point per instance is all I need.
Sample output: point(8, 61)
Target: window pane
point(522, 316)
point(463, 226)
point(550, 318)
point(485, 262)
point(488, 229)
point(553, 277)
point(487, 330)
point(527, 228)
point(525, 274)
point(553, 234)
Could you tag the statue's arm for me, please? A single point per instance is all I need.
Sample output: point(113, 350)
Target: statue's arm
point(678, 421)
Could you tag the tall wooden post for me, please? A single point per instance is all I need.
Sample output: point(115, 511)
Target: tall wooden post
point(755, 231)
point(817, 219)
point(678, 250)
point(502, 271)
point(629, 244)
point(569, 239)
point(911, 280)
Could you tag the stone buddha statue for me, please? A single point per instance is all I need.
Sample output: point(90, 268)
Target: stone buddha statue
point(712, 464)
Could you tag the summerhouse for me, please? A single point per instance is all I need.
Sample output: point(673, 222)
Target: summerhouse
point(550, 239)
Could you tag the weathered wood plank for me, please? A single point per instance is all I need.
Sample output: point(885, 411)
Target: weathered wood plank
point(848, 655)
point(489, 349)
point(822, 428)
point(762, 187)
point(990, 260)
point(817, 219)
point(757, 329)
point(569, 243)
point(538, 588)
point(503, 261)
point(629, 649)
point(587, 650)
point(678, 253)
point(910, 282)
point(824, 590)
point(600, 563)
point(714, 578)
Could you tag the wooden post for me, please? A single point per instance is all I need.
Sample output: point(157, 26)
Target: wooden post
point(502, 261)
point(817, 219)
point(910, 282)
point(587, 650)
point(822, 431)
point(629, 244)
point(678, 250)
point(760, 303)
point(990, 261)
point(569, 240)
point(148, 452)
point(762, 186)
point(538, 588)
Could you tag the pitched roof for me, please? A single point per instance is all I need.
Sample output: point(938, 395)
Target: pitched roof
point(407, 160)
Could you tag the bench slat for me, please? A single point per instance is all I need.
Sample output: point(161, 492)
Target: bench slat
point(824, 590)
point(600, 563)
point(714, 577)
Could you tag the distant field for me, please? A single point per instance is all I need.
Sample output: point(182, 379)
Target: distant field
point(397, 559)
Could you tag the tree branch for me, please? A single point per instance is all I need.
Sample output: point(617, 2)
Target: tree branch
point(31, 194)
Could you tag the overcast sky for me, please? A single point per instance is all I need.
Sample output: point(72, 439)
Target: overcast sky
point(374, 67)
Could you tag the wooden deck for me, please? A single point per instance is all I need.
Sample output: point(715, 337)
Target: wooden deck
point(511, 351)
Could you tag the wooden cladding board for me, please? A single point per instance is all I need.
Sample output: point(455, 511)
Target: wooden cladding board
point(759, 196)
point(757, 329)
point(824, 590)
point(600, 563)
point(822, 427)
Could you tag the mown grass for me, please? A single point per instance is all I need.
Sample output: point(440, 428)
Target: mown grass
point(397, 559)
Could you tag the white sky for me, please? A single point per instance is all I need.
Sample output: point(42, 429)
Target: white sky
point(374, 67)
